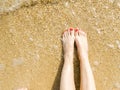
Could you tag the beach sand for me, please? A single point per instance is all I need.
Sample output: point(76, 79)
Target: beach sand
point(31, 54)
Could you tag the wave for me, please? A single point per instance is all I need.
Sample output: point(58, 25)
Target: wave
point(12, 5)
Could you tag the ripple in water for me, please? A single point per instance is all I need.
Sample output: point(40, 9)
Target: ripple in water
point(12, 5)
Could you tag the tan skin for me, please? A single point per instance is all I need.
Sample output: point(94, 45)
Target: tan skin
point(67, 77)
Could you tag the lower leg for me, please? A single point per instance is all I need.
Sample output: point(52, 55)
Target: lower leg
point(67, 76)
point(87, 79)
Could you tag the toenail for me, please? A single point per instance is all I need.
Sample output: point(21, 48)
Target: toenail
point(71, 29)
point(76, 30)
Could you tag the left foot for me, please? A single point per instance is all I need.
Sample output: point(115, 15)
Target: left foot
point(68, 42)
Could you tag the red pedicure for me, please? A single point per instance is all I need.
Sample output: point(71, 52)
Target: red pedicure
point(71, 29)
point(76, 30)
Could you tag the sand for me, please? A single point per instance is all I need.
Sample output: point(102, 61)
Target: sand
point(31, 55)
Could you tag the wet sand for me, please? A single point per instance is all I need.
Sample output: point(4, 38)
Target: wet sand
point(31, 53)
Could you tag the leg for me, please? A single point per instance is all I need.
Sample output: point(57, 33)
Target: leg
point(87, 79)
point(67, 77)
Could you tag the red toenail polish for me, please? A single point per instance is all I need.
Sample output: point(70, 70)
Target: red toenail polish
point(76, 30)
point(71, 29)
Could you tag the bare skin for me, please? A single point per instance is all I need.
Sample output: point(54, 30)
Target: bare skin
point(87, 79)
point(67, 77)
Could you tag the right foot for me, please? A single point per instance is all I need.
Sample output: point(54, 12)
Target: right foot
point(68, 42)
point(81, 42)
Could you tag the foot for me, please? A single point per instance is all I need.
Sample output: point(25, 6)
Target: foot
point(81, 42)
point(68, 42)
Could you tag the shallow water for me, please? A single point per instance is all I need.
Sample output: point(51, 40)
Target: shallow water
point(31, 54)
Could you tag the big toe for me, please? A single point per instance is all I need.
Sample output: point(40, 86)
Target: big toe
point(71, 31)
point(76, 32)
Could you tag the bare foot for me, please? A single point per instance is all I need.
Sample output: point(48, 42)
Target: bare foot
point(68, 42)
point(81, 42)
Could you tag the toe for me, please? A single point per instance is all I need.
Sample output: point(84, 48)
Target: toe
point(79, 32)
point(76, 32)
point(63, 36)
point(64, 33)
point(68, 32)
point(71, 31)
